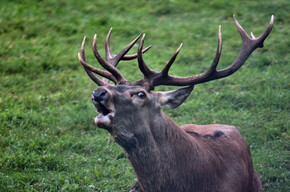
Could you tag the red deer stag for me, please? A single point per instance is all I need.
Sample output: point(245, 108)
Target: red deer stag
point(164, 155)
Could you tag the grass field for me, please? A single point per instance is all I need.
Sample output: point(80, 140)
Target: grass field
point(48, 141)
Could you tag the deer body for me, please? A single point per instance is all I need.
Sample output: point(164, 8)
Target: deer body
point(194, 163)
point(165, 156)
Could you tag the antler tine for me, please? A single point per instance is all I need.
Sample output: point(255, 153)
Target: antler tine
point(241, 30)
point(121, 56)
point(134, 56)
point(165, 71)
point(252, 35)
point(147, 72)
point(107, 45)
point(114, 71)
point(264, 35)
point(89, 69)
point(90, 74)
point(212, 69)
point(216, 59)
point(98, 81)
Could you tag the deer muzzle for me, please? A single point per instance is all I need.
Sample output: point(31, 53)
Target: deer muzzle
point(100, 99)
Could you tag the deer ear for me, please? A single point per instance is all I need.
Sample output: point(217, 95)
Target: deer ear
point(173, 99)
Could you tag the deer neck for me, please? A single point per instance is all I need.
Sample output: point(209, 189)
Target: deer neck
point(156, 144)
point(152, 135)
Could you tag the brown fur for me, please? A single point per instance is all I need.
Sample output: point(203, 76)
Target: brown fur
point(168, 157)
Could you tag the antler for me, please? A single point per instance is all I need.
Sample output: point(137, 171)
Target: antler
point(109, 63)
point(152, 79)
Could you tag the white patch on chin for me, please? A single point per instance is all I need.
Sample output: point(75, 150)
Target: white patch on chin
point(103, 121)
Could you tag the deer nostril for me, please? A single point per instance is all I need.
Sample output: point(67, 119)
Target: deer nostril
point(99, 95)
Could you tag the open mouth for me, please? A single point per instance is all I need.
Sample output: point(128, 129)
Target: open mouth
point(105, 116)
point(102, 109)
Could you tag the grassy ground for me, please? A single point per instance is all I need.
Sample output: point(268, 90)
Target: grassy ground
point(47, 138)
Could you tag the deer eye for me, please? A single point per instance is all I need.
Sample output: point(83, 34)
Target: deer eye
point(141, 95)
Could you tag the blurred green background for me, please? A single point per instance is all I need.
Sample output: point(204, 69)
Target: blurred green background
point(48, 141)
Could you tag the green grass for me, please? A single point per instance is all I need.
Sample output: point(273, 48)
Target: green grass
point(48, 141)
